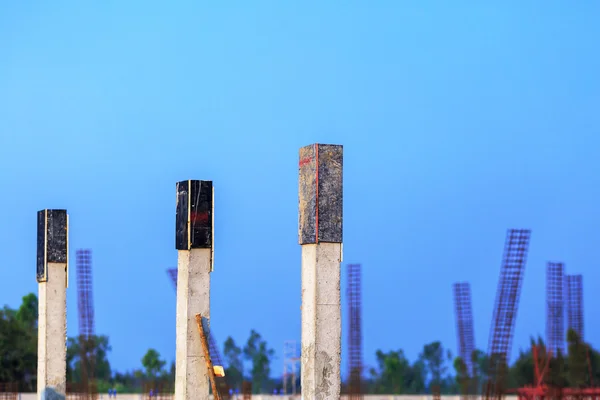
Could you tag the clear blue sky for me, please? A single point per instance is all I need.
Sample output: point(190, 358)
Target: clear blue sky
point(459, 120)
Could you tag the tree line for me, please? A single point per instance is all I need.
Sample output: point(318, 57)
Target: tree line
point(393, 373)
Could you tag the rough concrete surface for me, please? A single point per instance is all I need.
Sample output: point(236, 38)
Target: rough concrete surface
point(193, 297)
point(52, 328)
point(320, 194)
point(321, 321)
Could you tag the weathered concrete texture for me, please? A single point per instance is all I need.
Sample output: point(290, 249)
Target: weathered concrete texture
point(52, 330)
point(320, 194)
point(321, 321)
point(193, 297)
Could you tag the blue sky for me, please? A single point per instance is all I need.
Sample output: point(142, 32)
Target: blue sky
point(459, 120)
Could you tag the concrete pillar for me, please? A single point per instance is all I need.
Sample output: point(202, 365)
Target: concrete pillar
point(320, 234)
point(52, 275)
point(194, 242)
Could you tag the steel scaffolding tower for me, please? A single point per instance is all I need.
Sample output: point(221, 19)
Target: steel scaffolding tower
point(555, 306)
point(505, 310)
point(575, 304)
point(85, 305)
point(290, 364)
point(355, 362)
point(464, 323)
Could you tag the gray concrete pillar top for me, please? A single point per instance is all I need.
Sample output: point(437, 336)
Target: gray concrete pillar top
point(52, 240)
point(320, 194)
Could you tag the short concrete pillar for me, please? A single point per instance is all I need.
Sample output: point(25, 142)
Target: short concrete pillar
point(320, 234)
point(194, 242)
point(52, 276)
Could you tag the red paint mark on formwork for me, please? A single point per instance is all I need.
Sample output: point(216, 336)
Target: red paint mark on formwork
point(201, 217)
point(304, 161)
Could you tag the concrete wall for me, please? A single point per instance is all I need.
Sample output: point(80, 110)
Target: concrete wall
point(32, 396)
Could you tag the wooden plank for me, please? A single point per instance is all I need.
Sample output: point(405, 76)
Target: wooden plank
point(209, 366)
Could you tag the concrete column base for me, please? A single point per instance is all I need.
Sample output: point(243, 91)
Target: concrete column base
point(52, 330)
point(321, 321)
point(193, 297)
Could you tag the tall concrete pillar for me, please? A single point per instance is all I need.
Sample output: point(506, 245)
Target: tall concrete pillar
point(52, 275)
point(194, 242)
point(320, 234)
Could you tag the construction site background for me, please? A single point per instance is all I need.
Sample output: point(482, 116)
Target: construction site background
point(32, 396)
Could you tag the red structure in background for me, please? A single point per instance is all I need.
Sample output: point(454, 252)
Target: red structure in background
point(575, 304)
point(505, 310)
point(555, 306)
point(355, 389)
point(464, 323)
point(540, 390)
point(85, 305)
point(215, 354)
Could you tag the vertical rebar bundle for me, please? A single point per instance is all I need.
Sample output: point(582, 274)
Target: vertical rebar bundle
point(290, 363)
point(76, 391)
point(464, 323)
point(555, 305)
point(575, 304)
point(9, 391)
point(505, 310)
point(466, 337)
point(85, 306)
point(436, 392)
point(247, 390)
point(355, 366)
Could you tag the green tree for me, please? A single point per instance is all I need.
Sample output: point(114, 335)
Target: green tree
point(416, 378)
point(577, 358)
point(153, 364)
point(18, 344)
point(98, 348)
point(463, 379)
point(556, 375)
point(521, 372)
point(434, 358)
point(481, 365)
point(391, 373)
point(73, 356)
point(234, 372)
point(128, 382)
point(257, 352)
point(101, 348)
point(27, 313)
point(395, 375)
